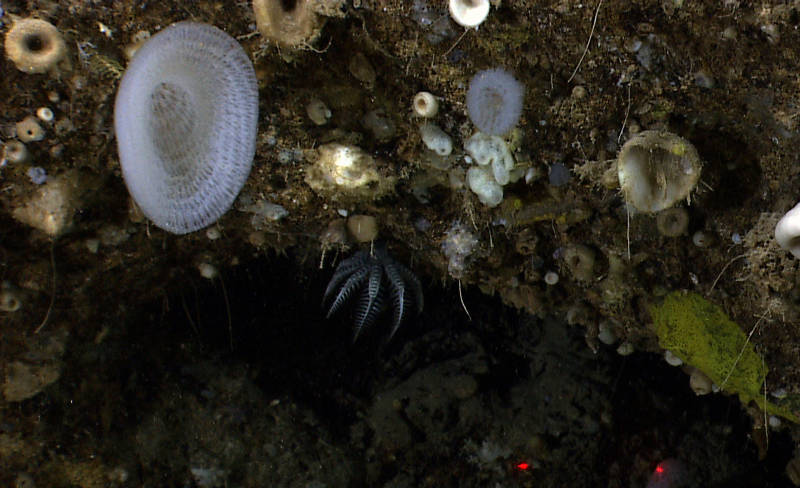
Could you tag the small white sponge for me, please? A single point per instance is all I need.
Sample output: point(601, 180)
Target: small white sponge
point(186, 117)
point(482, 183)
point(491, 151)
point(436, 139)
point(494, 101)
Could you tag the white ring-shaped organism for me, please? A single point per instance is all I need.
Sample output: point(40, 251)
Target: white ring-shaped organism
point(186, 117)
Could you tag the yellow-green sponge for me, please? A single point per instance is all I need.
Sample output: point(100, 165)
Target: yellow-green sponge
point(701, 334)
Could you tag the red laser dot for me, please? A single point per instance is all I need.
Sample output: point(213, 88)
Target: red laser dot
point(523, 466)
point(659, 469)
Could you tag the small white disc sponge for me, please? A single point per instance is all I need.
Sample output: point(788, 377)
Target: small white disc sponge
point(469, 13)
point(787, 232)
point(494, 101)
point(186, 117)
point(657, 169)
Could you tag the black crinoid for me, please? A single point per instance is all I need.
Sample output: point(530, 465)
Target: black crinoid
point(378, 280)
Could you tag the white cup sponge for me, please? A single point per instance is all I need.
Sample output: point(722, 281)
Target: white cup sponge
point(186, 117)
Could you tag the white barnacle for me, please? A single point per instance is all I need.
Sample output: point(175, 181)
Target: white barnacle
point(186, 117)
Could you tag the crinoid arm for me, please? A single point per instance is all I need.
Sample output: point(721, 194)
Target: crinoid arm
point(371, 303)
point(353, 282)
point(397, 288)
point(411, 281)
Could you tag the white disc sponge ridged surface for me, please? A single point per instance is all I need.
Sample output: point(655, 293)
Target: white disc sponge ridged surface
point(186, 117)
point(494, 101)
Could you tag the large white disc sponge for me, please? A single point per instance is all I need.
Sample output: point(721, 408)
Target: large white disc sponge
point(186, 117)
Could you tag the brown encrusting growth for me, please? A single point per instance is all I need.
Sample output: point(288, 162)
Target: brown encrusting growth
point(34, 45)
point(287, 22)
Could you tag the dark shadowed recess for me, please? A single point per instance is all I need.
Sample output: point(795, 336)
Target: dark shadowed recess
point(266, 314)
point(731, 169)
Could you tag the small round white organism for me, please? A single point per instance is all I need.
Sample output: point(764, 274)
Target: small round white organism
point(787, 232)
point(702, 238)
point(425, 105)
point(45, 114)
point(672, 359)
point(186, 117)
point(469, 13)
point(551, 278)
point(318, 112)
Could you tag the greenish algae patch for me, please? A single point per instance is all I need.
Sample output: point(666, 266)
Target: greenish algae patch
point(701, 334)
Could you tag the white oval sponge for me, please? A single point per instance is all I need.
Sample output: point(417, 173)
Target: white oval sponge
point(186, 117)
point(491, 150)
point(481, 182)
point(436, 139)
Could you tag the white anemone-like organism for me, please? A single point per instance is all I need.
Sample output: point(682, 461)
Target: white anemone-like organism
point(787, 232)
point(469, 13)
point(186, 117)
point(657, 169)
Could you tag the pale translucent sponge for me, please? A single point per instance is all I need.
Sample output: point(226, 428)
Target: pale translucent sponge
point(494, 101)
point(186, 117)
point(492, 151)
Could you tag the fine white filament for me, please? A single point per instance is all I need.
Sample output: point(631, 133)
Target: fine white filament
point(186, 117)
